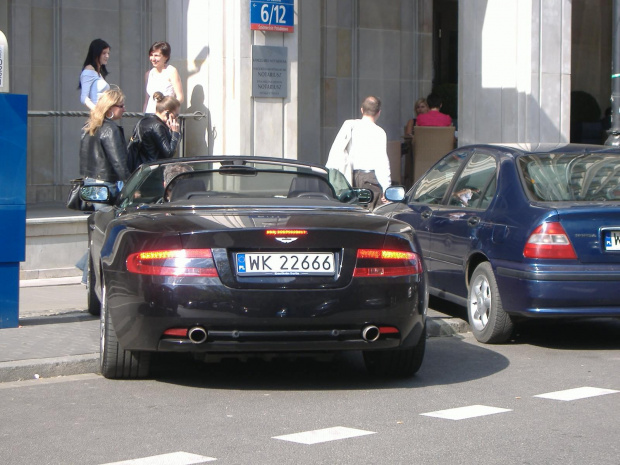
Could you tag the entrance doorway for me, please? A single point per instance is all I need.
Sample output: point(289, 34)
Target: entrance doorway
point(445, 54)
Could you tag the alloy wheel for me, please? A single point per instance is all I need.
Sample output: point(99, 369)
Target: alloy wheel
point(480, 303)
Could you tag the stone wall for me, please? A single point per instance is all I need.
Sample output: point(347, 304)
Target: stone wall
point(49, 40)
point(374, 48)
point(591, 54)
point(514, 71)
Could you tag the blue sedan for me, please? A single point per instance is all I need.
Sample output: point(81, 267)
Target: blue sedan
point(513, 231)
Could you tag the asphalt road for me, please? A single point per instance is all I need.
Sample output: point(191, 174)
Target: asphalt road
point(551, 396)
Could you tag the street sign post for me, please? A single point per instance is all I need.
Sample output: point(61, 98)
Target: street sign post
point(272, 15)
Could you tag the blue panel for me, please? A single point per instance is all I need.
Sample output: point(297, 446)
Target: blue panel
point(12, 233)
point(9, 295)
point(13, 140)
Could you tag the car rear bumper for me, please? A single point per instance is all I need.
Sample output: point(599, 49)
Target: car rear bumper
point(279, 341)
point(558, 290)
point(280, 320)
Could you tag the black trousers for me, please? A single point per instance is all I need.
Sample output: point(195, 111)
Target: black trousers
point(368, 180)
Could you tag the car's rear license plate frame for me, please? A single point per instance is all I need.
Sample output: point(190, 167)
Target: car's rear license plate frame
point(612, 240)
point(285, 263)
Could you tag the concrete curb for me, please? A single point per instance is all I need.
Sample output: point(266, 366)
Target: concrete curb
point(49, 367)
point(441, 327)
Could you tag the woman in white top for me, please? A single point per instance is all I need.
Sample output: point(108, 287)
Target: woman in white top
point(94, 72)
point(162, 77)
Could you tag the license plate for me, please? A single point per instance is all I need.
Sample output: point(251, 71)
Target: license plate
point(285, 263)
point(612, 240)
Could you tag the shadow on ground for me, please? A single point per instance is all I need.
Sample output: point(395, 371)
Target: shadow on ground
point(569, 334)
point(447, 360)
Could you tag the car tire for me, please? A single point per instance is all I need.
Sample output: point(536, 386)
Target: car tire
point(489, 323)
point(114, 362)
point(396, 363)
point(92, 301)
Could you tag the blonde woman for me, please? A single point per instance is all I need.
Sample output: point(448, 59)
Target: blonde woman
point(103, 152)
point(420, 107)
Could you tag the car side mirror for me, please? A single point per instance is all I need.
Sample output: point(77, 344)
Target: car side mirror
point(95, 194)
point(395, 193)
point(364, 196)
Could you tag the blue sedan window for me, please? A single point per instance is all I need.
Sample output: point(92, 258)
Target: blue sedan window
point(571, 176)
point(433, 186)
point(473, 182)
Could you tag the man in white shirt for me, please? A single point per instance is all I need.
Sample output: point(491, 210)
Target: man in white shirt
point(368, 151)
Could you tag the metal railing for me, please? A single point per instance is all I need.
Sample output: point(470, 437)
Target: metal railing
point(197, 116)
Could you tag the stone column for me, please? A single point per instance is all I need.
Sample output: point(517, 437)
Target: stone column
point(514, 71)
point(217, 72)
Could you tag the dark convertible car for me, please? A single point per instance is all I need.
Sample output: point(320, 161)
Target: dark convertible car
point(229, 256)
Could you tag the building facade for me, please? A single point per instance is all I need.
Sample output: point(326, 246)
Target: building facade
point(513, 65)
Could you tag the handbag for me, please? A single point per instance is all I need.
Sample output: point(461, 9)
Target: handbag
point(134, 150)
point(74, 199)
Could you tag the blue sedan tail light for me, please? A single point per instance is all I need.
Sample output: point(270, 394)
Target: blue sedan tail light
point(549, 240)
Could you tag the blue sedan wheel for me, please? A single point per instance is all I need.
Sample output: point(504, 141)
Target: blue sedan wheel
point(487, 318)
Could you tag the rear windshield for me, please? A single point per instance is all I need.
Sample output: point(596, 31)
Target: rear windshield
point(571, 176)
point(203, 181)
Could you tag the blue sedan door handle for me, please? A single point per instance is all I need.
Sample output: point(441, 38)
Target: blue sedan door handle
point(473, 221)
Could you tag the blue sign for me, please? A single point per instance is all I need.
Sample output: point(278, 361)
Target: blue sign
point(272, 15)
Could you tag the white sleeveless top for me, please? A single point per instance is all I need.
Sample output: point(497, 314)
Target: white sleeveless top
point(158, 82)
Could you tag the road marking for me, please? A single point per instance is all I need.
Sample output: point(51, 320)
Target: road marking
point(463, 413)
point(324, 435)
point(576, 394)
point(174, 458)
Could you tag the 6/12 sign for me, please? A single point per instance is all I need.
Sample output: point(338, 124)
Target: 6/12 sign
point(272, 15)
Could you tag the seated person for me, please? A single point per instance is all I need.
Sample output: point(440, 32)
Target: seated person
point(434, 117)
point(420, 107)
point(170, 172)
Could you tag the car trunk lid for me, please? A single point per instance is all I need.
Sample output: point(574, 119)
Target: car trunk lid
point(594, 231)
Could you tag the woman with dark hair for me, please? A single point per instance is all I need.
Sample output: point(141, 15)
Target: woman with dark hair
point(162, 77)
point(94, 72)
point(158, 134)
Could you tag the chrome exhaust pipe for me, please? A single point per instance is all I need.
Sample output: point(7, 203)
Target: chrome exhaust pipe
point(371, 333)
point(197, 334)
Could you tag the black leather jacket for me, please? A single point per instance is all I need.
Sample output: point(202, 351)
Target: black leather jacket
point(103, 156)
point(158, 141)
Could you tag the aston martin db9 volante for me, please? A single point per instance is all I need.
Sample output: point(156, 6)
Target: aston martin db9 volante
point(229, 256)
point(519, 231)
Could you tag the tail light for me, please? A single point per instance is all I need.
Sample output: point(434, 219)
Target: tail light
point(286, 232)
point(549, 240)
point(176, 332)
point(181, 262)
point(379, 262)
